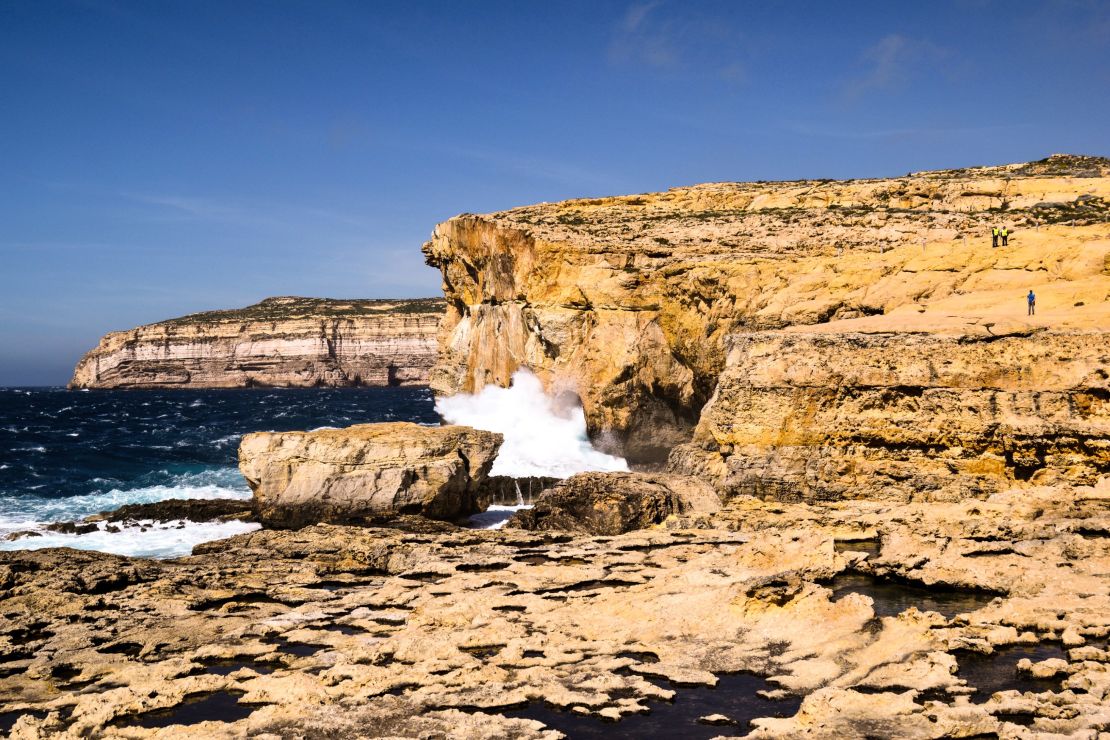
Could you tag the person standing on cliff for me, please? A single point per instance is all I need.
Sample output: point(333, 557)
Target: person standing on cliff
point(1005, 236)
point(1032, 299)
point(994, 236)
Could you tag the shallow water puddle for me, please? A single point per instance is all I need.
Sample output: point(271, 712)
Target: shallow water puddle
point(221, 706)
point(998, 671)
point(734, 697)
point(893, 597)
point(871, 546)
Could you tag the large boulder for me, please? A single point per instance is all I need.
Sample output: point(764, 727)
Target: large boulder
point(366, 471)
point(613, 503)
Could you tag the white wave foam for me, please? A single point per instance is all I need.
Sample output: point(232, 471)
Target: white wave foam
point(160, 540)
point(229, 439)
point(24, 512)
point(541, 439)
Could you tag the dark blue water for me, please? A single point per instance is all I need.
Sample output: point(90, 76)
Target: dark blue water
point(67, 454)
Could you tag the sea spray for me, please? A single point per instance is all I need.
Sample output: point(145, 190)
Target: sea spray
point(543, 436)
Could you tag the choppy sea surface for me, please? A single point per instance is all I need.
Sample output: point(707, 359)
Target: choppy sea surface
point(66, 454)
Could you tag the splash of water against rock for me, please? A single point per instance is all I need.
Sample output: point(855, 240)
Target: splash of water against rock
point(543, 436)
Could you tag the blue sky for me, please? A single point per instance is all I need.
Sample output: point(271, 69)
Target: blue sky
point(158, 158)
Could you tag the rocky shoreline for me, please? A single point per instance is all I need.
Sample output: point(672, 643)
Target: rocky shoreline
point(872, 499)
point(340, 630)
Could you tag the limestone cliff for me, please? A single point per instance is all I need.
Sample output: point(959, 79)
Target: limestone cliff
point(294, 342)
point(630, 301)
point(861, 411)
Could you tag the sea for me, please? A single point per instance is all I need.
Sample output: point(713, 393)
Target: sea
point(69, 454)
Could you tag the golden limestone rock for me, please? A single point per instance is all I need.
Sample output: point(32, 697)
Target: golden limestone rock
point(349, 475)
point(863, 327)
point(822, 413)
point(284, 342)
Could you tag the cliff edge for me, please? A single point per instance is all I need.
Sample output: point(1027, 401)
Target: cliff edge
point(636, 303)
point(286, 341)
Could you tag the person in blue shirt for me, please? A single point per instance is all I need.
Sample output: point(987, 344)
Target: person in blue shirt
point(1032, 299)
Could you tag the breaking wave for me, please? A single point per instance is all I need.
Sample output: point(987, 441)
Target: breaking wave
point(543, 436)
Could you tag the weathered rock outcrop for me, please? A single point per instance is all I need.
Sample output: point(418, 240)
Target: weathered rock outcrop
point(335, 631)
point(365, 471)
point(831, 412)
point(294, 342)
point(614, 503)
point(629, 300)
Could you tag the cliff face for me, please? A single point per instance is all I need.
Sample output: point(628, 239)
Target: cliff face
point(630, 301)
point(844, 412)
point(294, 342)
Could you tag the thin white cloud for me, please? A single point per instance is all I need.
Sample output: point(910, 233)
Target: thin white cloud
point(805, 129)
point(652, 36)
point(891, 64)
point(201, 208)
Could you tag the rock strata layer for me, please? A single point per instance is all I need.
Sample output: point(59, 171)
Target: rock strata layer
point(615, 503)
point(830, 412)
point(285, 342)
point(630, 301)
point(366, 471)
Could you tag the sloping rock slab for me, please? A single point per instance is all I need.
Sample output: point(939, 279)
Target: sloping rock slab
point(347, 475)
point(614, 503)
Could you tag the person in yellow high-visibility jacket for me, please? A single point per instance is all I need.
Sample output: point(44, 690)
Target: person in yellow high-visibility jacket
point(1005, 236)
point(994, 236)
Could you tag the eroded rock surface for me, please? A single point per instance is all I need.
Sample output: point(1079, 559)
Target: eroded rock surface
point(287, 342)
point(350, 475)
point(351, 631)
point(965, 409)
point(615, 503)
point(629, 300)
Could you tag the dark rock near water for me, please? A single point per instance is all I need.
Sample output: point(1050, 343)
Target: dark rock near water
point(614, 503)
point(195, 510)
point(71, 527)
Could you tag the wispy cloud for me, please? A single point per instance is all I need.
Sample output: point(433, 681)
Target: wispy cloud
point(647, 35)
point(199, 208)
point(561, 171)
point(805, 129)
point(891, 64)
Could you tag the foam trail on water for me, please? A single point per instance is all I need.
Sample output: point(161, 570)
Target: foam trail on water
point(146, 539)
point(152, 539)
point(540, 438)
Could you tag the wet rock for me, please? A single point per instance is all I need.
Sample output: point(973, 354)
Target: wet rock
point(613, 503)
point(71, 527)
point(715, 719)
point(194, 510)
point(13, 536)
point(346, 475)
